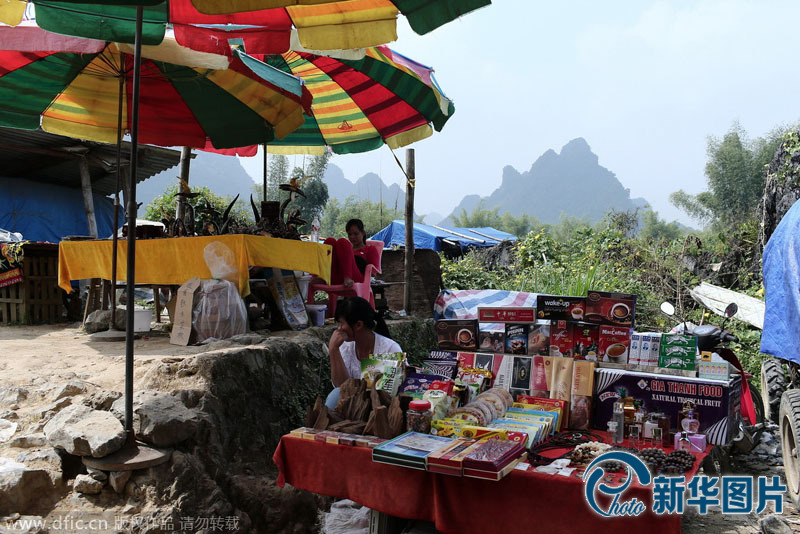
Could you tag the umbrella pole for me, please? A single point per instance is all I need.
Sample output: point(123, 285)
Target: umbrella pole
point(131, 274)
point(264, 174)
point(114, 239)
point(409, 258)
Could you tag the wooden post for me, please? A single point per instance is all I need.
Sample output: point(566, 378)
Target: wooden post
point(88, 201)
point(186, 158)
point(409, 265)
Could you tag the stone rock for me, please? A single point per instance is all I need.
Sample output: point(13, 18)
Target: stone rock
point(102, 400)
point(49, 411)
point(46, 458)
point(118, 479)
point(99, 320)
point(159, 418)
point(70, 389)
point(9, 415)
point(12, 395)
point(20, 486)
point(97, 474)
point(28, 441)
point(247, 339)
point(7, 429)
point(774, 524)
point(87, 485)
point(85, 432)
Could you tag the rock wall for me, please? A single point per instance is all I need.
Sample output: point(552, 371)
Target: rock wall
point(782, 187)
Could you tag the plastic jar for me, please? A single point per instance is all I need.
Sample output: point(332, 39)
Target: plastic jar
point(418, 417)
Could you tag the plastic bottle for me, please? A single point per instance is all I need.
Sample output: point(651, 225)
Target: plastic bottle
point(315, 230)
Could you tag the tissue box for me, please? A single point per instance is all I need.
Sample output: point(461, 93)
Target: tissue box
point(698, 441)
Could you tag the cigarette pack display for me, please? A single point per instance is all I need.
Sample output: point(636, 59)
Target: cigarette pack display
point(678, 351)
point(508, 314)
point(457, 334)
point(561, 340)
point(493, 455)
point(539, 339)
point(446, 459)
point(558, 308)
point(409, 449)
point(611, 308)
point(716, 402)
point(613, 344)
point(517, 338)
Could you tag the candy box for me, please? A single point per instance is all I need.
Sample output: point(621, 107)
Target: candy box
point(558, 308)
point(457, 334)
point(610, 308)
point(492, 455)
point(561, 340)
point(447, 460)
point(613, 344)
point(517, 338)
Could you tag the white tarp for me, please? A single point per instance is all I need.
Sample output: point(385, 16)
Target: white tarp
point(715, 298)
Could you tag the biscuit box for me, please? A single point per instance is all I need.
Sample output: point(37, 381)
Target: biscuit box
point(614, 343)
point(558, 308)
point(716, 403)
point(610, 308)
point(457, 334)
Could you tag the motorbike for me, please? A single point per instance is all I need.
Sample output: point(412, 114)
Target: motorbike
point(750, 417)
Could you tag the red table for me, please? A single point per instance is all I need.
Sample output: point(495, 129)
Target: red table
point(522, 502)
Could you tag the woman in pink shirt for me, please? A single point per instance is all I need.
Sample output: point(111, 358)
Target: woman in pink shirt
point(352, 255)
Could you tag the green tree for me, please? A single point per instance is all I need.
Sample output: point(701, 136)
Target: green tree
point(735, 174)
point(480, 216)
point(277, 173)
point(375, 216)
point(164, 205)
point(314, 187)
point(655, 228)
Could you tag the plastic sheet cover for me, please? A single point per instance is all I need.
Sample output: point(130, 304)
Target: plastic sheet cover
point(781, 266)
point(219, 312)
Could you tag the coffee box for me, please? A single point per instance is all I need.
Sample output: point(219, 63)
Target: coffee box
point(678, 351)
point(457, 334)
point(538, 339)
point(613, 344)
point(507, 314)
point(491, 341)
point(561, 341)
point(559, 308)
point(517, 338)
point(610, 308)
point(584, 339)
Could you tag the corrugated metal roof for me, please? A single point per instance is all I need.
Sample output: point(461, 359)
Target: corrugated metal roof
point(50, 158)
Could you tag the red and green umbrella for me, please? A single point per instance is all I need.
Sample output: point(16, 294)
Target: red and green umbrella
point(263, 25)
point(358, 105)
point(71, 87)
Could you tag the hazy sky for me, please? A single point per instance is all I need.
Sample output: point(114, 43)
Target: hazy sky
point(645, 83)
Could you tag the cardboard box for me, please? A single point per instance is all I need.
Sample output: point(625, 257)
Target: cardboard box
point(457, 334)
point(678, 351)
point(634, 356)
point(491, 341)
point(539, 339)
point(182, 323)
point(584, 339)
point(559, 308)
point(613, 344)
point(517, 338)
point(611, 308)
point(716, 403)
point(561, 341)
point(508, 314)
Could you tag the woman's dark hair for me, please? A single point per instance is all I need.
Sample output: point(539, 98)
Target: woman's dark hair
point(358, 223)
point(354, 309)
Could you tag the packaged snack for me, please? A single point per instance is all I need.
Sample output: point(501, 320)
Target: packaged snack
point(517, 338)
point(457, 334)
point(581, 396)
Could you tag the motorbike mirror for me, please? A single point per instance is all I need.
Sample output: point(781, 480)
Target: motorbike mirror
point(668, 308)
point(731, 310)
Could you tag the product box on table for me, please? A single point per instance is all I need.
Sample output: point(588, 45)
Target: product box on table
point(489, 460)
point(508, 314)
point(491, 340)
point(409, 449)
point(584, 339)
point(517, 338)
point(448, 459)
point(613, 344)
point(559, 308)
point(557, 406)
point(714, 370)
point(610, 308)
point(716, 403)
point(678, 351)
point(561, 339)
point(457, 334)
point(539, 339)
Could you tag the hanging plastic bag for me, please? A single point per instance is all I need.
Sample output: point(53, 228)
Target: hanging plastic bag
point(219, 312)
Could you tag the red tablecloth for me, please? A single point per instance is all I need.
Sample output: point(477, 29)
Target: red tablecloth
point(522, 502)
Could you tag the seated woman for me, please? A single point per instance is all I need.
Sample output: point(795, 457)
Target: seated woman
point(352, 255)
point(361, 333)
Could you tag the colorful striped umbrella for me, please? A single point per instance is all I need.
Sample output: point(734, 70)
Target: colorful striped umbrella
point(358, 105)
point(263, 25)
point(72, 85)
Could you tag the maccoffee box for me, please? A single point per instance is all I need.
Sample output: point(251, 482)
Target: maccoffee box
point(561, 341)
point(457, 334)
point(613, 344)
point(559, 308)
point(716, 402)
point(538, 339)
point(509, 314)
point(517, 338)
point(584, 339)
point(610, 308)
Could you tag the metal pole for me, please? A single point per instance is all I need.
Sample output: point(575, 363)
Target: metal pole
point(114, 239)
point(131, 274)
point(264, 174)
point(409, 264)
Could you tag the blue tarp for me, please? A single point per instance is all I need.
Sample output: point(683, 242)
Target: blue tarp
point(46, 212)
point(426, 236)
point(781, 266)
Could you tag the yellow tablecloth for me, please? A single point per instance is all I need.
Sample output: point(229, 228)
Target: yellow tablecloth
point(173, 261)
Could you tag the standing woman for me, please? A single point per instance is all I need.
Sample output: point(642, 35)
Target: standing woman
point(361, 333)
point(351, 255)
